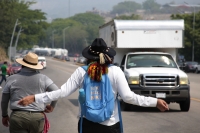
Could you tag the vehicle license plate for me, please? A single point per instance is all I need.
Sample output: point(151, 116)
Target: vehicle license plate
point(160, 95)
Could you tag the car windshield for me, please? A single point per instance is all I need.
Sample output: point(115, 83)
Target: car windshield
point(149, 60)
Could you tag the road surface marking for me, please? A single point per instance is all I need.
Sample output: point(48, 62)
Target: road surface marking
point(195, 99)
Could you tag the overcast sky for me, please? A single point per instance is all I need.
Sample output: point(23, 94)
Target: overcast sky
point(66, 8)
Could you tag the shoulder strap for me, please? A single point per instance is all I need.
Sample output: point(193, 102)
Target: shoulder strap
point(85, 67)
point(120, 115)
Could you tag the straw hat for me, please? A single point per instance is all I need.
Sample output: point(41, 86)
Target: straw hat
point(30, 60)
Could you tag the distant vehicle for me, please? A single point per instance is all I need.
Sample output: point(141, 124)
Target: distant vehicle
point(181, 65)
point(197, 68)
point(67, 58)
point(42, 52)
point(42, 61)
point(62, 57)
point(16, 67)
point(82, 60)
point(56, 56)
point(190, 66)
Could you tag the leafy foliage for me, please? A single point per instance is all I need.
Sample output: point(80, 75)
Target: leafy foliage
point(126, 7)
point(88, 19)
point(80, 30)
point(191, 35)
point(91, 23)
point(32, 22)
point(151, 6)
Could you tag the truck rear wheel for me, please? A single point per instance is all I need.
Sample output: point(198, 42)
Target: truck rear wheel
point(185, 105)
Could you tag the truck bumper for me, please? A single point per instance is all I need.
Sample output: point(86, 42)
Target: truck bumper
point(172, 95)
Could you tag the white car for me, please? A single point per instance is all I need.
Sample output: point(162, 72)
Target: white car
point(42, 61)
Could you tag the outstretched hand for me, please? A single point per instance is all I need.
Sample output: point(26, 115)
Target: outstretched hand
point(27, 100)
point(162, 105)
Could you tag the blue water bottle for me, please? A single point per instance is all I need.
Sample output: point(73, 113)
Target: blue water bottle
point(81, 97)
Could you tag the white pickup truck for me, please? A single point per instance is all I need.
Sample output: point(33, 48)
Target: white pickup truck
point(147, 53)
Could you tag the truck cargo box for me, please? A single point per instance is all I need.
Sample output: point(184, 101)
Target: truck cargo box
point(143, 33)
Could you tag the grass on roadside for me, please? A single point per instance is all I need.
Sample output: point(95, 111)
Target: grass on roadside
point(3, 55)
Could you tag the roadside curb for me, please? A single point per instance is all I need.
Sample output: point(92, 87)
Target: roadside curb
point(58, 59)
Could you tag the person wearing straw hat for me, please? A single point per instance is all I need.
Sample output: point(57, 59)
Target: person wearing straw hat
point(99, 56)
point(29, 119)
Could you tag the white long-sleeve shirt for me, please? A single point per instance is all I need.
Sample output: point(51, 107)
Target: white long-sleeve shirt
point(119, 85)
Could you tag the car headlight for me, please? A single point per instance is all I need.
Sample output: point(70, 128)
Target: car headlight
point(184, 81)
point(133, 80)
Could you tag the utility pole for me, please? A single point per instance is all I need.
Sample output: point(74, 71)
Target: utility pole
point(16, 23)
point(19, 32)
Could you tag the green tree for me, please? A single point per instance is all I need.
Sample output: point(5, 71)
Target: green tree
point(190, 35)
point(88, 19)
point(83, 28)
point(151, 6)
point(7, 21)
point(91, 23)
point(32, 22)
point(58, 26)
point(76, 38)
point(126, 7)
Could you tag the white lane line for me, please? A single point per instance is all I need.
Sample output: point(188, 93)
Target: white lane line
point(195, 99)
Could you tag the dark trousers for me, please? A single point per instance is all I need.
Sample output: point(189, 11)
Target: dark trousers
point(92, 127)
point(3, 78)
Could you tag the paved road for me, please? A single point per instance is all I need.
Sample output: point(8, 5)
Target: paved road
point(139, 120)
